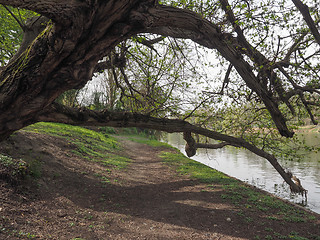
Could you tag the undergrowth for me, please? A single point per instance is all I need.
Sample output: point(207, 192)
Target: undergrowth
point(12, 170)
point(91, 145)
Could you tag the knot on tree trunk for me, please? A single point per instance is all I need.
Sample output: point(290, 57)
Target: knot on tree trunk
point(190, 148)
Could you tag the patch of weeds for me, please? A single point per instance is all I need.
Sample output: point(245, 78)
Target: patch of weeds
point(12, 169)
point(90, 145)
point(117, 205)
point(293, 215)
point(312, 218)
point(294, 219)
point(246, 218)
point(235, 191)
point(104, 180)
point(35, 168)
point(279, 236)
point(234, 197)
point(26, 235)
point(116, 161)
point(107, 130)
point(273, 218)
point(275, 208)
point(295, 236)
point(268, 229)
point(199, 171)
point(262, 208)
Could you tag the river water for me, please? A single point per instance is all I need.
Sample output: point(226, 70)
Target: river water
point(257, 171)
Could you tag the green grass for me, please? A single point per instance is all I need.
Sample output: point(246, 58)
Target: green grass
point(91, 145)
point(196, 170)
point(98, 140)
point(239, 194)
point(148, 141)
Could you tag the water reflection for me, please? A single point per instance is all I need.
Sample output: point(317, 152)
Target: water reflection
point(257, 171)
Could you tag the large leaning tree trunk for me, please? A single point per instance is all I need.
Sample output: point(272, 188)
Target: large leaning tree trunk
point(66, 53)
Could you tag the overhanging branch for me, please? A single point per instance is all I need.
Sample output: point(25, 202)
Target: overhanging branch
point(57, 10)
point(59, 113)
point(303, 8)
point(180, 23)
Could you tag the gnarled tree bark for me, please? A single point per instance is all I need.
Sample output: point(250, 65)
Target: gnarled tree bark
point(80, 33)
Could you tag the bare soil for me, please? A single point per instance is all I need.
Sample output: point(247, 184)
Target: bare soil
point(147, 200)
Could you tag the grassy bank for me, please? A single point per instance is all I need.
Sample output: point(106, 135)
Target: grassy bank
point(107, 160)
point(93, 145)
point(248, 200)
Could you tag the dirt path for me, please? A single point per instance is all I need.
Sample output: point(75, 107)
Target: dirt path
point(147, 200)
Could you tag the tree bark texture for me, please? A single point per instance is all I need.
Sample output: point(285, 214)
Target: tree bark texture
point(62, 57)
point(65, 55)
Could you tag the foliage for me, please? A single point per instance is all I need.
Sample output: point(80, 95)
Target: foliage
point(253, 123)
point(11, 32)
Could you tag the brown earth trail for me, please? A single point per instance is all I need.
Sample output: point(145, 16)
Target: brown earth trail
point(146, 200)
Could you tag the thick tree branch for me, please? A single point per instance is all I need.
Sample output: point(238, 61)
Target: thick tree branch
point(58, 10)
point(213, 146)
point(61, 58)
point(86, 117)
point(303, 8)
point(178, 23)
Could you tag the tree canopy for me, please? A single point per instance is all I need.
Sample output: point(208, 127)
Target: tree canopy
point(259, 82)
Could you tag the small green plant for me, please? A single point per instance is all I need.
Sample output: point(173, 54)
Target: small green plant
point(295, 236)
point(13, 169)
point(27, 235)
point(279, 236)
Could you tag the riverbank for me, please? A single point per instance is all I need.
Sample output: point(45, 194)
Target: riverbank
point(93, 185)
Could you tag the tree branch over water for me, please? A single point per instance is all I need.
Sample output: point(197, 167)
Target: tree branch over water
point(256, 68)
point(86, 117)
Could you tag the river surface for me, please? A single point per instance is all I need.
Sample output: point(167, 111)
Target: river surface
point(257, 171)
